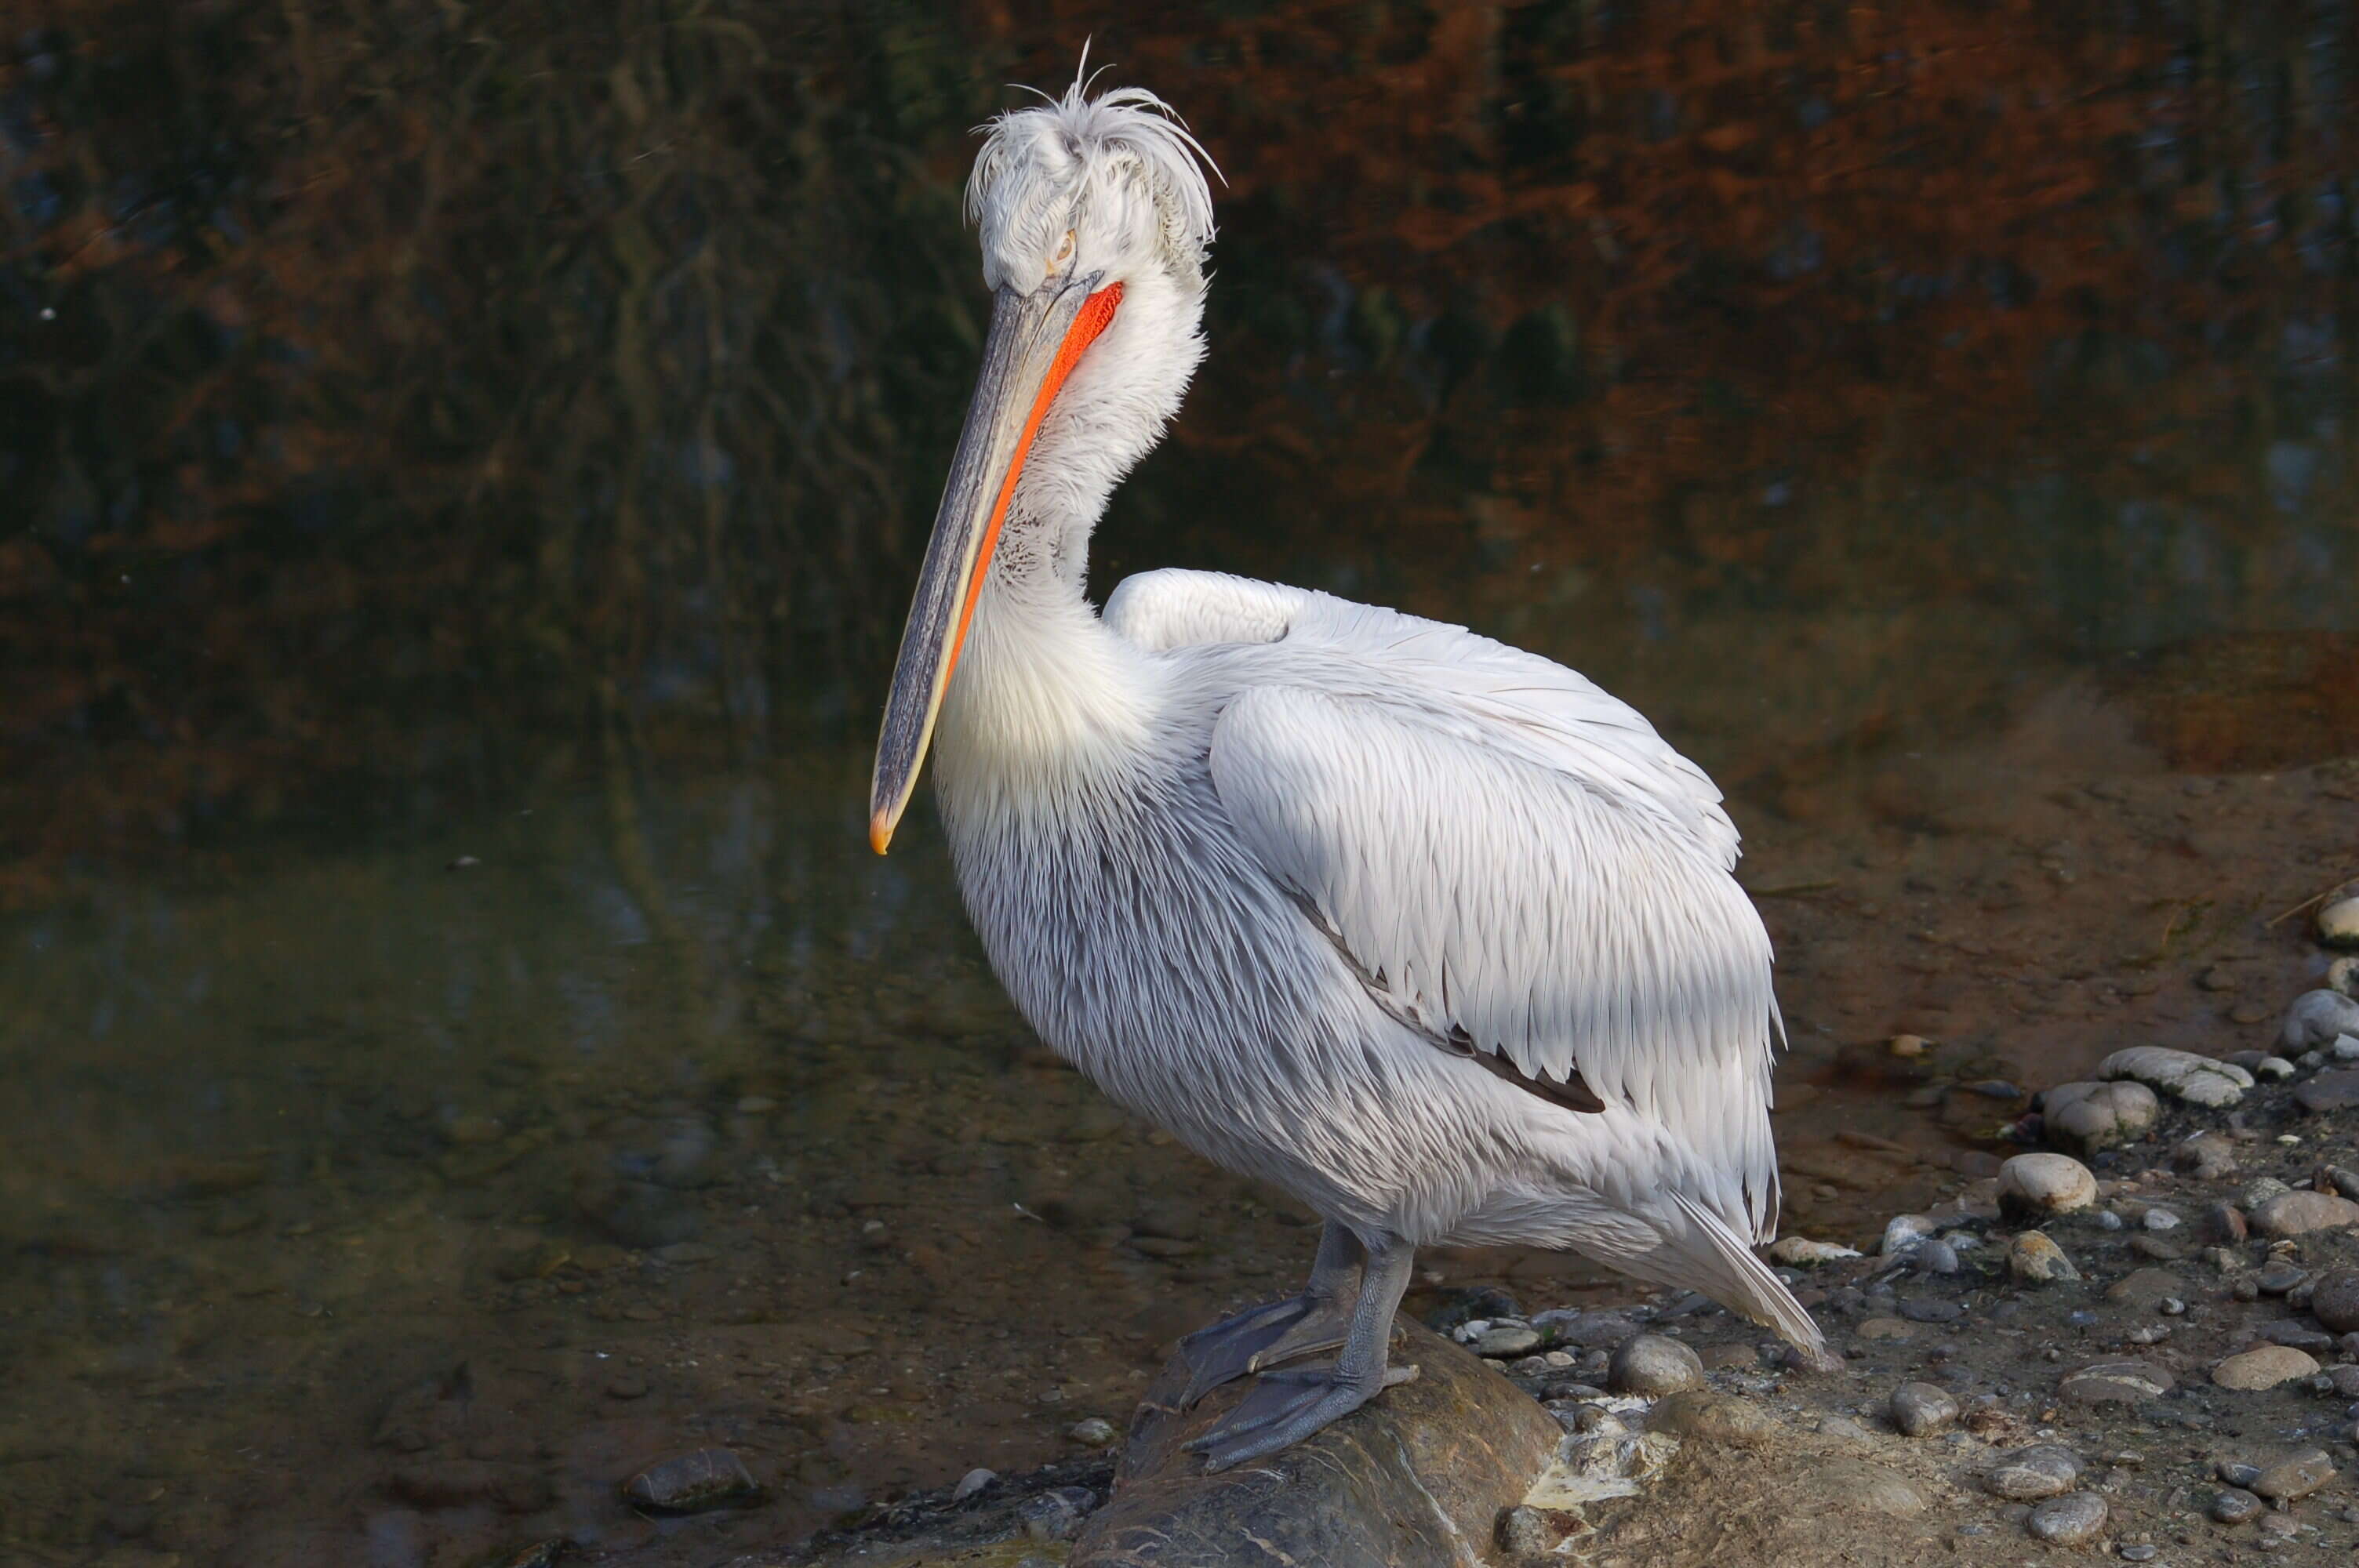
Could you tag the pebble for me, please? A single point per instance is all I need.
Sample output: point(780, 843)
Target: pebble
point(2160, 1219)
point(2035, 1260)
point(708, 1479)
point(2182, 1075)
point(1586, 1330)
point(2115, 1382)
point(1907, 1047)
point(2068, 1520)
point(2092, 1116)
point(2342, 975)
point(2140, 1551)
point(2300, 1335)
point(2295, 1478)
point(971, 1483)
point(2224, 1222)
point(2237, 1473)
point(2335, 1302)
point(2211, 1154)
point(1502, 1340)
point(2144, 1288)
point(2316, 1018)
point(2295, 1214)
point(1921, 1409)
point(2260, 1190)
point(1802, 1252)
point(1710, 1417)
point(1937, 1258)
point(1903, 1231)
point(1651, 1364)
point(2338, 917)
point(2278, 1278)
point(2264, 1368)
point(1093, 1432)
point(2329, 1092)
point(2027, 1475)
point(1929, 1309)
point(2235, 1506)
point(1056, 1515)
point(2045, 1184)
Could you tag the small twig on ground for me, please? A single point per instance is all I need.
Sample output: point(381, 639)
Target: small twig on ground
point(2311, 902)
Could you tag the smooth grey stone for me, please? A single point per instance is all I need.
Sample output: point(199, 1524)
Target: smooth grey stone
point(1651, 1364)
point(1921, 1409)
point(2295, 1478)
point(2335, 1302)
point(2068, 1520)
point(2234, 1506)
point(2027, 1474)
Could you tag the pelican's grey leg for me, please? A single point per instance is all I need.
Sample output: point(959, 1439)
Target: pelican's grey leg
point(1277, 1331)
point(1286, 1407)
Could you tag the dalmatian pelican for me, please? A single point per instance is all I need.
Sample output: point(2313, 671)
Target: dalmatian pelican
point(1427, 931)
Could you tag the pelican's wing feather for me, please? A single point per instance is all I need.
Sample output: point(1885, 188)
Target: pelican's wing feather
point(1507, 851)
point(1172, 608)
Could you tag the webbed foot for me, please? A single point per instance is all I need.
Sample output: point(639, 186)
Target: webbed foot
point(1287, 1407)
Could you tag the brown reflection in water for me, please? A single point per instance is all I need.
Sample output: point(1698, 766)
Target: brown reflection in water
point(2243, 701)
point(391, 381)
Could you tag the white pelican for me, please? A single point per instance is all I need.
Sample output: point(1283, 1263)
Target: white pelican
point(1427, 931)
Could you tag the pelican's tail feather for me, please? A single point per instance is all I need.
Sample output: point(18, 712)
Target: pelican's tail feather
point(1703, 1254)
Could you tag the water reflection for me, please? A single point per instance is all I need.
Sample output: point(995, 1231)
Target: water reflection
point(461, 1046)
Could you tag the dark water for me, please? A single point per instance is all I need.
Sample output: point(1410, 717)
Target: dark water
point(462, 472)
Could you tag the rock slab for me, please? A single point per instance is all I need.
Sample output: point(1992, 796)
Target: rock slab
point(2183, 1074)
point(1408, 1478)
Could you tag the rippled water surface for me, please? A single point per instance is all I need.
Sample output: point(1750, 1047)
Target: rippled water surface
point(458, 1045)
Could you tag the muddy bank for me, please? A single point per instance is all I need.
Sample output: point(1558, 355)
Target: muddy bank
point(2151, 1353)
point(527, 1167)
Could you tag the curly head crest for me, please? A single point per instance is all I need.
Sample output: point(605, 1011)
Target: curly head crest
point(1107, 162)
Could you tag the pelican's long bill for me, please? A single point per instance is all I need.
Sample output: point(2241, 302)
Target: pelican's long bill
point(1036, 340)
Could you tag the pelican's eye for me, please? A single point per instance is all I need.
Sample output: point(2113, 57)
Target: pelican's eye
point(1064, 250)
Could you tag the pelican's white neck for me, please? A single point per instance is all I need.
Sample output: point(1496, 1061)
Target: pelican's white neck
point(1044, 694)
point(1043, 690)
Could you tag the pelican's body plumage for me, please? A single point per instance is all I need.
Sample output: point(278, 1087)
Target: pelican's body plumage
point(1428, 931)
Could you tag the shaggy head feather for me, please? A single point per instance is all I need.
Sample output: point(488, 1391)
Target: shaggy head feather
point(1120, 171)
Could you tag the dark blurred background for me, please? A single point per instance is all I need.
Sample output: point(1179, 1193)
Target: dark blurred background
point(405, 400)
